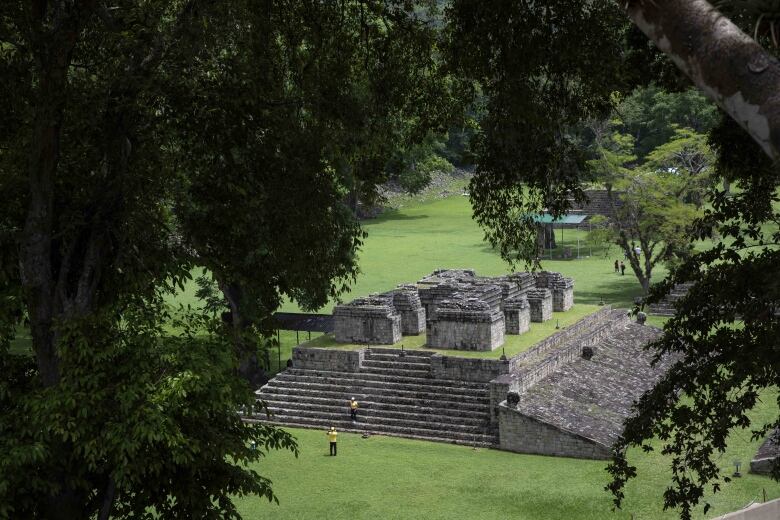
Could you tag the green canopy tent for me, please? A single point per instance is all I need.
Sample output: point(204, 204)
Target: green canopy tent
point(548, 221)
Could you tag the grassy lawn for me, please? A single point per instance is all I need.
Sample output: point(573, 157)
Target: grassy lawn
point(513, 344)
point(385, 477)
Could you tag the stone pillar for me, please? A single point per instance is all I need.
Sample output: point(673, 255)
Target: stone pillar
point(517, 315)
point(541, 303)
point(563, 295)
point(406, 301)
point(562, 288)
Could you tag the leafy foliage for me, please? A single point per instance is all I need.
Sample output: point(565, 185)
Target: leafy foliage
point(412, 168)
point(725, 329)
point(527, 152)
point(724, 337)
point(141, 140)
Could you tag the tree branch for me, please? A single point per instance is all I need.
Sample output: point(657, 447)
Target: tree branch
point(724, 62)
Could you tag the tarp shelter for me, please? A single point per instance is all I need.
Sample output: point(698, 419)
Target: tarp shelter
point(549, 222)
point(301, 322)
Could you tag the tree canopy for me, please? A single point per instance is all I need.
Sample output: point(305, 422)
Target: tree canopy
point(140, 141)
point(723, 334)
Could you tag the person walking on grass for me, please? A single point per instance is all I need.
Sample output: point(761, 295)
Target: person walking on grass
point(333, 438)
point(617, 267)
point(353, 408)
point(622, 268)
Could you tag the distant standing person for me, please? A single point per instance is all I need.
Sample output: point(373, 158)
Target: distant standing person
point(617, 268)
point(353, 407)
point(622, 268)
point(332, 437)
point(638, 251)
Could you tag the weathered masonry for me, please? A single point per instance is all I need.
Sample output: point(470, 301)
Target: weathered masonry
point(456, 309)
point(371, 320)
point(567, 396)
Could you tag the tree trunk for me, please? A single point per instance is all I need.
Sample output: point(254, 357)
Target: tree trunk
point(249, 367)
point(52, 49)
point(725, 63)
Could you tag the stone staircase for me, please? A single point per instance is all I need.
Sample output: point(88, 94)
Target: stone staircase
point(666, 306)
point(398, 396)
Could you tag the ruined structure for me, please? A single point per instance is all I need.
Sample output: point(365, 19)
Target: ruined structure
point(466, 324)
point(371, 320)
point(517, 315)
point(541, 302)
point(561, 287)
point(568, 395)
point(406, 301)
point(474, 308)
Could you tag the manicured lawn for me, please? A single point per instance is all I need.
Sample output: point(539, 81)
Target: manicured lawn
point(513, 344)
point(385, 477)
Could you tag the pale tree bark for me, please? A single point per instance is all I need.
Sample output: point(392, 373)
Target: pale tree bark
point(722, 61)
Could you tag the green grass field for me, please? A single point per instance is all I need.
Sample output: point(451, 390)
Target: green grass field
point(385, 477)
point(388, 478)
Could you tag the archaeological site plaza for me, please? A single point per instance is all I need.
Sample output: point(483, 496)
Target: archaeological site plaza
point(567, 395)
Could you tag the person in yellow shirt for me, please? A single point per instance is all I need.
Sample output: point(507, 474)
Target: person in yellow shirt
point(333, 438)
point(353, 407)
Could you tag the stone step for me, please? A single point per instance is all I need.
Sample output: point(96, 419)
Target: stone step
point(485, 441)
point(396, 365)
point(369, 410)
point(384, 403)
point(370, 383)
point(421, 422)
point(403, 372)
point(396, 351)
point(365, 376)
point(385, 429)
point(395, 357)
point(346, 392)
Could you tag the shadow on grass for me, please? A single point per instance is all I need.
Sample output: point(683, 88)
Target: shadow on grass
point(615, 293)
point(390, 216)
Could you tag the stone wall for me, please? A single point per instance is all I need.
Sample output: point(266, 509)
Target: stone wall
point(529, 367)
point(406, 301)
point(541, 304)
point(517, 315)
point(766, 511)
point(563, 299)
point(467, 369)
point(523, 434)
point(562, 288)
point(432, 295)
point(570, 399)
point(370, 320)
point(327, 359)
point(597, 203)
point(603, 315)
point(466, 324)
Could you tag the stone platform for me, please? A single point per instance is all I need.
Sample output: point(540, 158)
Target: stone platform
point(567, 395)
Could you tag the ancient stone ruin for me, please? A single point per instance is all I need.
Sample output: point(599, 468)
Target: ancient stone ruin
point(541, 302)
point(517, 315)
point(466, 324)
point(562, 289)
point(568, 395)
point(406, 301)
point(371, 320)
point(457, 309)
